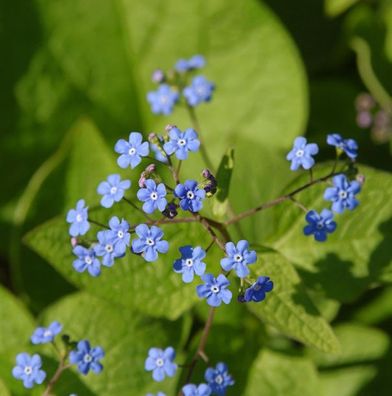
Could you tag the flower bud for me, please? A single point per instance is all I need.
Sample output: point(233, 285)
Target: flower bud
point(158, 76)
point(360, 178)
point(169, 127)
point(150, 169)
point(74, 241)
point(142, 180)
point(170, 210)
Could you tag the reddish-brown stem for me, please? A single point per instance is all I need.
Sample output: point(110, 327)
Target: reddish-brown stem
point(276, 201)
point(60, 369)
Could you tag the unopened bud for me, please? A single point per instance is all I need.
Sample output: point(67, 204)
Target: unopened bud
point(74, 241)
point(206, 173)
point(142, 180)
point(158, 76)
point(360, 178)
point(169, 127)
point(170, 210)
point(150, 169)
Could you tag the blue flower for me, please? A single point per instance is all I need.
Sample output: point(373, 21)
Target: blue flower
point(349, 146)
point(43, 335)
point(181, 143)
point(28, 370)
point(105, 247)
point(191, 197)
point(238, 258)
point(319, 224)
point(218, 379)
point(87, 358)
point(163, 99)
point(196, 390)
point(158, 155)
point(343, 194)
point(199, 91)
point(161, 363)
point(153, 196)
point(184, 65)
point(112, 190)
point(78, 219)
point(259, 289)
point(301, 154)
point(131, 151)
point(214, 290)
point(149, 243)
point(86, 260)
point(120, 234)
point(190, 263)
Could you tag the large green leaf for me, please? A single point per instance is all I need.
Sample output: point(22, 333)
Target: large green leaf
point(288, 307)
point(16, 325)
point(359, 344)
point(125, 338)
point(276, 374)
point(153, 288)
point(357, 254)
point(248, 52)
point(335, 7)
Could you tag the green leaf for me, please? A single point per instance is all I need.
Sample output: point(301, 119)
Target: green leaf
point(16, 325)
point(223, 177)
point(125, 338)
point(275, 374)
point(356, 255)
point(153, 288)
point(135, 38)
point(288, 307)
point(359, 344)
point(3, 389)
point(335, 7)
point(91, 161)
point(346, 381)
point(376, 310)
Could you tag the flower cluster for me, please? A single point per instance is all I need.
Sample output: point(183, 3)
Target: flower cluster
point(173, 86)
point(342, 194)
point(28, 368)
point(161, 363)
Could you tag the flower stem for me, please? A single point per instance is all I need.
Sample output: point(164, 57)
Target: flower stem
point(52, 382)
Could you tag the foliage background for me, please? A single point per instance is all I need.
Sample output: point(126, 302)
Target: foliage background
point(74, 75)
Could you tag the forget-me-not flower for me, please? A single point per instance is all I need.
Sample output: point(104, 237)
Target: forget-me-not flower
point(238, 258)
point(112, 190)
point(320, 225)
point(87, 358)
point(191, 196)
point(218, 379)
point(163, 99)
point(43, 335)
point(131, 151)
point(258, 290)
point(121, 235)
point(161, 363)
point(196, 390)
point(301, 154)
point(181, 143)
point(150, 242)
point(190, 263)
point(215, 290)
point(343, 193)
point(86, 260)
point(349, 146)
point(153, 196)
point(199, 91)
point(105, 247)
point(78, 218)
point(28, 370)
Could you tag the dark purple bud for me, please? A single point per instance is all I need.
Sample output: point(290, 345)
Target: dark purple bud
point(241, 298)
point(206, 173)
point(170, 210)
point(158, 76)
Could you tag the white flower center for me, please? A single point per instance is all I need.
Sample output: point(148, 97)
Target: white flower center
point(164, 99)
point(159, 362)
point(28, 370)
point(257, 287)
point(150, 242)
point(120, 234)
point(87, 358)
point(319, 225)
point(238, 258)
point(182, 142)
point(215, 289)
point(109, 248)
point(79, 218)
point(113, 190)
point(190, 195)
point(132, 151)
point(88, 260)
point(342, 194)
point(47, 333)
point(219, 379)
point(189, 262)
point(299, 153)
point(154, 196)
point(201, 90)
